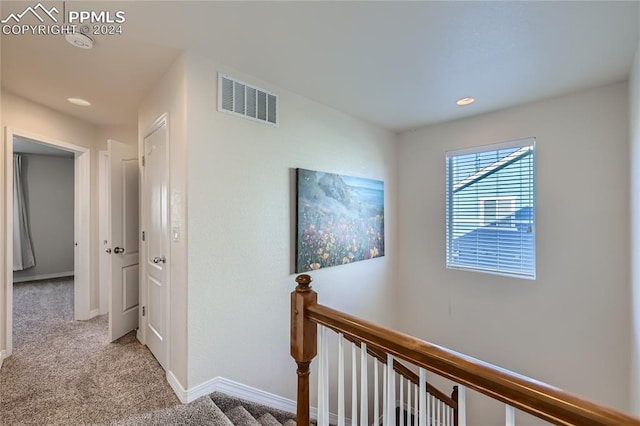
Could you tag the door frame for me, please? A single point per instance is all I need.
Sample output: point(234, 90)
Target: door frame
point(163, 119)
point(81, 226)
point(104, 186)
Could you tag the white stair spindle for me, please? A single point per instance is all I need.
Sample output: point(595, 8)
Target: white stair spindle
point(322, 382)
point(409, 384)
point(391, 411)
point(326, 377)
point(384, 394)
point(415, 404)
point(462, 406)
point(392, 391)
point(423, 409)
point(510, 416)
point(341, 395)
point(320, 375)
point(401, 401)
point(364, 387)
point(431, 409)
point(445, 414)
point(376, 394)
point(354, 385)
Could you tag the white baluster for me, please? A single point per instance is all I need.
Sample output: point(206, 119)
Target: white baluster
point(401, 401)
point(423, 409)
point(447, 413)
point(409, 385)
point(462, 406)
point(510, 416)
point(322, 382)
point(440, 413)
point(376, 394)
point(384, 394)
point(431, 409)
point(390, 387)
point(364, 387)
point(326, 377)
point(416, 392)
point(341, 395)
point(320, 375)
point(354, 386)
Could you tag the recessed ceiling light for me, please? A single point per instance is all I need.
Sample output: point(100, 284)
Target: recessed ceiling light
point(79, 40)
point(465, 101)
point(79, 101)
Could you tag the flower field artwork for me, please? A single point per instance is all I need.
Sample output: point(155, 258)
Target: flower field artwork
point(340, 220)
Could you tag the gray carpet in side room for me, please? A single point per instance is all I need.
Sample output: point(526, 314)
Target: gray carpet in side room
point(64, 372)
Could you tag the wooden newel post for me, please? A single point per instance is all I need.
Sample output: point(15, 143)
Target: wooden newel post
point(303, 342)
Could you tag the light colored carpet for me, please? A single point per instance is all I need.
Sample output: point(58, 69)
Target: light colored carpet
point(201, 412)
point(64, 372)
point(216, 409)
point(263, 414)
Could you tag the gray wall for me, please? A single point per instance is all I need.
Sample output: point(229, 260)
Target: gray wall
point(49, 191)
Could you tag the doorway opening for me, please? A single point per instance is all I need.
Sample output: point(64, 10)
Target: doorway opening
point(81, 224)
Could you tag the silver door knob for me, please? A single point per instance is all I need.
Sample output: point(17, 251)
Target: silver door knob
point(108, 251)
point(118, 250)
point(157, 260)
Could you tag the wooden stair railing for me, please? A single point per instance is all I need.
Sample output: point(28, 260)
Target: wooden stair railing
point(536, 398)
point(380, 355)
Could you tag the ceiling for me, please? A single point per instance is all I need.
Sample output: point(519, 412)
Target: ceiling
point(399, 65)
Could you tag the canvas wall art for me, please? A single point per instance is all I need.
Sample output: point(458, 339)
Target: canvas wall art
point(340, 220)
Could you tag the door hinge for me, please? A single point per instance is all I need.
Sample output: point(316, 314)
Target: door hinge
point(142, 235)
point(143, 161)
point(144, 311)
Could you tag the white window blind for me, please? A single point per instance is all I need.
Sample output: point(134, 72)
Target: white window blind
point(490, 210)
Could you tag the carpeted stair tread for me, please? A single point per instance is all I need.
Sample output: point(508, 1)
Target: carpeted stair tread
point(239, 416)
point(227, 402)
point(268, 420)
point(201, 412)
point(289, 423)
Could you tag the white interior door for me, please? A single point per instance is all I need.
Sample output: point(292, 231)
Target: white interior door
point(156, 240)
point(123, 245)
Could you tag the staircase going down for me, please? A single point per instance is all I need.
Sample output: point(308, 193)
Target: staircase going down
point(216, 409)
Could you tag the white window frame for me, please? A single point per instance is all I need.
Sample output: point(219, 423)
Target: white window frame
point(452, 257)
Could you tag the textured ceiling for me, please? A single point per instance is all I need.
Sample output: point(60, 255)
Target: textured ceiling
point(399, 65)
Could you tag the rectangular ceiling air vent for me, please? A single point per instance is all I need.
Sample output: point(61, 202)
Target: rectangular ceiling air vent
point(239, 98)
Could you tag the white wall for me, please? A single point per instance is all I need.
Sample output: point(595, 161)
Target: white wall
point(23, 115)
point(241, 214)
point(570, 327)
point(48, 183)
point(168, 96)
point(634, 98)
point(126, 134)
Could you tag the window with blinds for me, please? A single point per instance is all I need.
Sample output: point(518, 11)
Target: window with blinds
point(490, 210)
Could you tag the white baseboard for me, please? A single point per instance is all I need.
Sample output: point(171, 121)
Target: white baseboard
point(178, 389)
point(241, 391)
point(2, 357)
point(43, 277)
point(94, 313)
